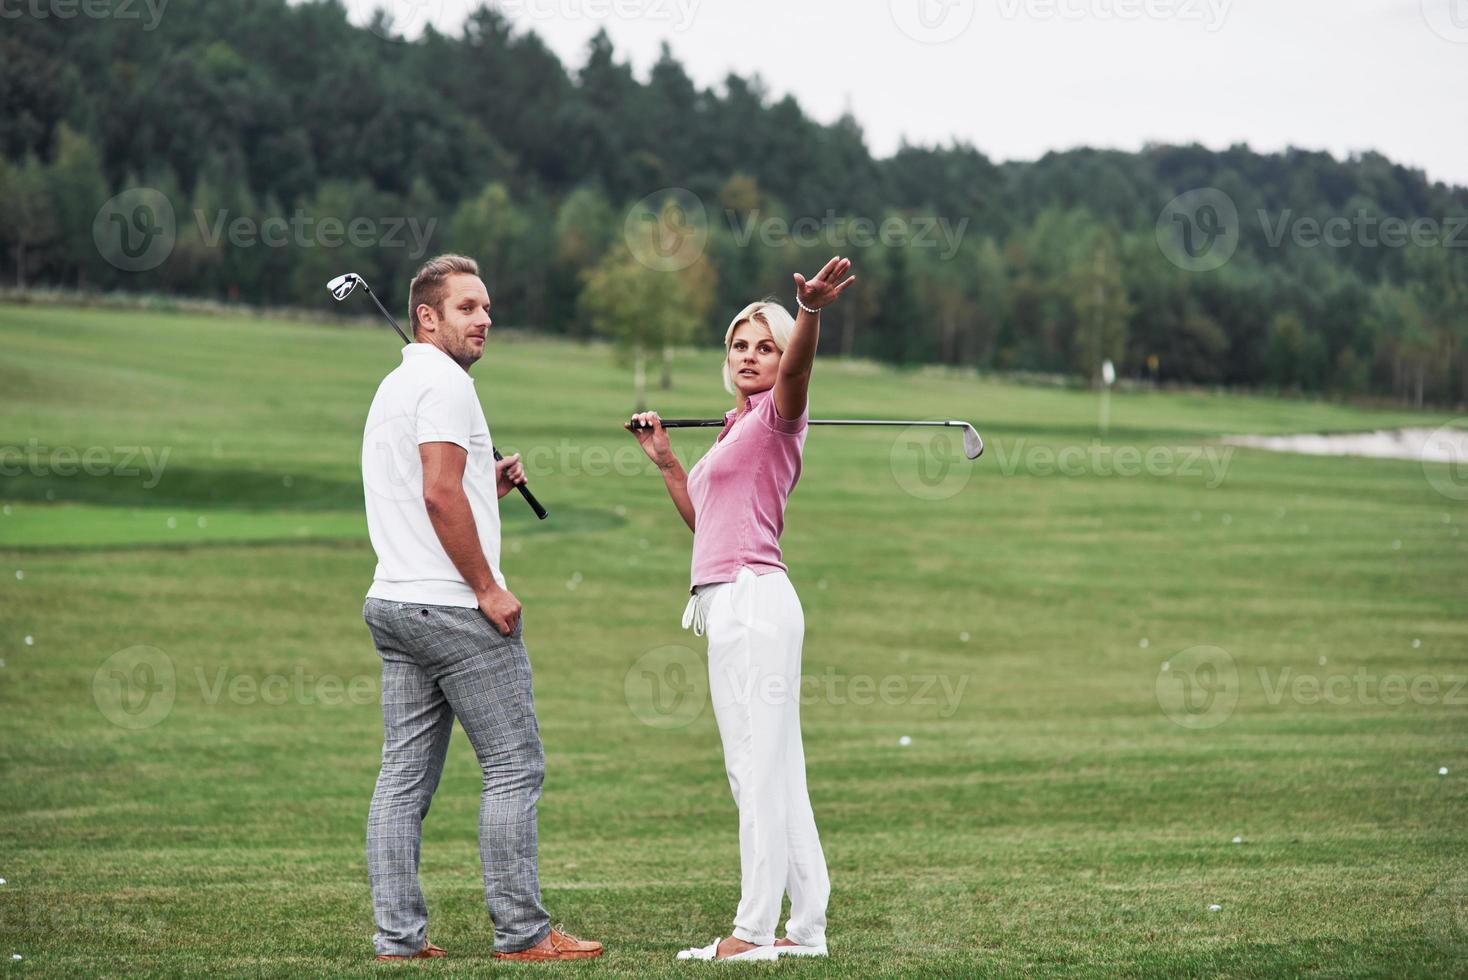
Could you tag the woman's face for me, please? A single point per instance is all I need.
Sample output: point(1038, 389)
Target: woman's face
point(754, 360)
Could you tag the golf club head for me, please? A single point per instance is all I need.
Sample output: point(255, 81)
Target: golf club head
point(341, 287)
point(973, 445)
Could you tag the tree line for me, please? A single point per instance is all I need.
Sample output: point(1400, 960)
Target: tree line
point(290, 146)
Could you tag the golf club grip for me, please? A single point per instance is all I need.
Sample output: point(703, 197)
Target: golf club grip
point(540, 511)
point(685, 423)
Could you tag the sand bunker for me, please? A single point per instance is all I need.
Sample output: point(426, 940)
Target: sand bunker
point(1444, 445)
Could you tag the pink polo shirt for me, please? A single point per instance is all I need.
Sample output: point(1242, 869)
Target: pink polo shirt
point(739, 490)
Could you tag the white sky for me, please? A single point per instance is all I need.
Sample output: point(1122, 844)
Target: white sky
point(1019, 77)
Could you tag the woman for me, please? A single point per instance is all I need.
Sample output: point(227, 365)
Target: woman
point(734, 502)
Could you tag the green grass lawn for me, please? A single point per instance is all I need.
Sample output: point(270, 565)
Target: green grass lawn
point(1065, 805)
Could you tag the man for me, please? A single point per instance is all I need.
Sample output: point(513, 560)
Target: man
point(448, 629)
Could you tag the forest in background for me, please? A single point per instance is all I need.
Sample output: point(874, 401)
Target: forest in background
point(291, 146)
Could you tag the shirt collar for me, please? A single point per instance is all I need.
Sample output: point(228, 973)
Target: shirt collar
point(429, 352)
point(754, 401)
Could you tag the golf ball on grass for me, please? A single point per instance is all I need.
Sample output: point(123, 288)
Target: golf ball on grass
point(905, 741)
point(1442, 771)
point(1214, 908)
point(30, 641)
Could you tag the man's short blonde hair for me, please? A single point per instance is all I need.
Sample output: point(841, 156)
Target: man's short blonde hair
point(431, 286)
point(769, 314)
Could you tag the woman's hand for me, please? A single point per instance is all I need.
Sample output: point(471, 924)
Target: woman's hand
point(826, 286)
point(792, 384)
point(654, 439)
point(654, 442)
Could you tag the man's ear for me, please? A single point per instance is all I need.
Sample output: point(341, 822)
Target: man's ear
point(427, 319)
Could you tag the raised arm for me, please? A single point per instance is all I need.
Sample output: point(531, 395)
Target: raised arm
point(792, 384)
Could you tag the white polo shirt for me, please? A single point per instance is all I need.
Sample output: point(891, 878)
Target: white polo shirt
point(429, 398)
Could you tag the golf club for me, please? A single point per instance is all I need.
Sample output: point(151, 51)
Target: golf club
point(343, 286)
point(973, 444)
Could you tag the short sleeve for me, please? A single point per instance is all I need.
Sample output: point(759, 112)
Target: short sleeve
point(770, 416)
point(445, 413)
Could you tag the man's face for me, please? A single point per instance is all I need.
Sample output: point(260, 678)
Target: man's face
point(461, 330)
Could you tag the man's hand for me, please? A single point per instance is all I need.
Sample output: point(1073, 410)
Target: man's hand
point(508, 474)
point(501, 608)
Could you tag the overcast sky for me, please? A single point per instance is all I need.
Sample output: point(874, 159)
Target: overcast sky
point(1019, 77)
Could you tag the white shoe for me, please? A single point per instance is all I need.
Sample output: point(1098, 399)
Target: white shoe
point(799, 950)
point(711, 952)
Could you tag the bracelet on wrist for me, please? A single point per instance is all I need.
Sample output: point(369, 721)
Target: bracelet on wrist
point(804, 307)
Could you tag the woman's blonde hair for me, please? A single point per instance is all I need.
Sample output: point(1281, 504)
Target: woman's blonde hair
point(768, 314)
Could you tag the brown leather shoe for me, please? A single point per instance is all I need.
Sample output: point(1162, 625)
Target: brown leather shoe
point(428, 952)
point(556, 946)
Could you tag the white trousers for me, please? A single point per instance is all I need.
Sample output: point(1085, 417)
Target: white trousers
point(755, 629)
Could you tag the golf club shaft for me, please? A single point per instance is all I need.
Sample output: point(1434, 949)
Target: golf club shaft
point(384, 310)
point(973, 443)
point(699, 423)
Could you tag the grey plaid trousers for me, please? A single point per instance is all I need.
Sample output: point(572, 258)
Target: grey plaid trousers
point(440, 663)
